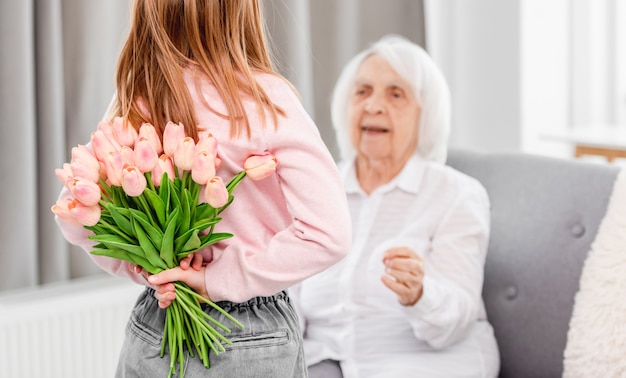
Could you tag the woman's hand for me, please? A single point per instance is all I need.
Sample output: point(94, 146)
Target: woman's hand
point(162, 282)
point(404, 274)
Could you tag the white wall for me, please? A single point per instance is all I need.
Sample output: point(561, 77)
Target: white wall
point(544, 75)
point(477, 45)
point(522, 70)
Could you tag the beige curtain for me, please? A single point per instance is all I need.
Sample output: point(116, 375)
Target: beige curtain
point(56, 74)
point(313, 39)
point(56, 78)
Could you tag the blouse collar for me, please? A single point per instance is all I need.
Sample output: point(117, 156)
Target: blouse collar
point(408, 179)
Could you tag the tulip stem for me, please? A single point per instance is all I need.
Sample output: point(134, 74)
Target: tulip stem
point(234, 182)
point(141, 201)
point(106, 190)
point(149, 180)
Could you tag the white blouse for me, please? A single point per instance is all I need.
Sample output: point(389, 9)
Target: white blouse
point(348, 314)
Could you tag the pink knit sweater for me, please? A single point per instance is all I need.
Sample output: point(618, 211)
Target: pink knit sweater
point(287, 227)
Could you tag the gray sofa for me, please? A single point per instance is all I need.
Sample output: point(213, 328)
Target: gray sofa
point(545, 215)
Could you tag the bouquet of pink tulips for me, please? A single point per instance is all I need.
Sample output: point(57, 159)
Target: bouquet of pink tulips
point(152, 204)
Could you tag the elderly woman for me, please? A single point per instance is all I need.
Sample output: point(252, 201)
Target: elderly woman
point(406, 302)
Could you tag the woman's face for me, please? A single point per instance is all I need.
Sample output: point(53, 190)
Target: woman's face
point(383, 114)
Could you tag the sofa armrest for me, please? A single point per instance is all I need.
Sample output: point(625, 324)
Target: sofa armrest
point(545, 213)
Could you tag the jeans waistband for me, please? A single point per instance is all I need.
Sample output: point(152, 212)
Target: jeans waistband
point(256, 301)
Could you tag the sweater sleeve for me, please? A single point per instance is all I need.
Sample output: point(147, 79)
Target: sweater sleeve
point(318, 229)
point(78, 235)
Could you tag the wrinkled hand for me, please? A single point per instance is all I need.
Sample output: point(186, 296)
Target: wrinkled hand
point(162, 282)
point(404, 274)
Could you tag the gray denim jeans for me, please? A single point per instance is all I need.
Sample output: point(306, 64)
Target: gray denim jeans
point(269, 345)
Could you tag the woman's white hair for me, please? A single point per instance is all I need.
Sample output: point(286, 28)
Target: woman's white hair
point(415, 66)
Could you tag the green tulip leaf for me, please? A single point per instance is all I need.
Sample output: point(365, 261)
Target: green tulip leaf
point(157, 205)
point(187, 242)
point(167, 246)
point(164, 192)
point(204, 211)
point(144, 263)
point(155, 235)
point(213, 238)
point(174, 196)
point(120, 220)
point(114, 253)
point(203, 224)
point(185, 214)
point(110, 228)
point(150, 252)
point(193, 243)
point(116, 242)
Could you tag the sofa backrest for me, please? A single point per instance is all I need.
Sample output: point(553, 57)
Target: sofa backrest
point(545, 213)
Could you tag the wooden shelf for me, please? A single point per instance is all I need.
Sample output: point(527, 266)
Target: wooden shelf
point(608, 141)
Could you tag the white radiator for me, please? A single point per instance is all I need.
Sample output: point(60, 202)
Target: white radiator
point(69, 330)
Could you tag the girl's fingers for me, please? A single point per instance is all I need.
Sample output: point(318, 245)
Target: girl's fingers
point(186, 262)
point(193, 260)
point(169, 275)
point(135, 268)
point(165, 288)
point(164, 294)
point(197, 261)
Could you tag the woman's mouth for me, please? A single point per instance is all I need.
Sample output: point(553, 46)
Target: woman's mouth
point(374, 129)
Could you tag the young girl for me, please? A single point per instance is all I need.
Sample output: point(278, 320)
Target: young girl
point(205, 64)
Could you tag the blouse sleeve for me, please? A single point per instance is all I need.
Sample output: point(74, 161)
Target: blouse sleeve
point(454, 272)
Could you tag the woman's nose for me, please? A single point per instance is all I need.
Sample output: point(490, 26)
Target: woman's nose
point(374, 105)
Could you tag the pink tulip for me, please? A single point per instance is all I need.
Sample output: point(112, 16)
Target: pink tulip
point(107, 129)
point(124, 132)
point(85, 215)
point(114, 164)
point(149, 132)
point(164, 165)
point(103, 171)
point(146, 157)
point(259, 167)
point(87, 192)
point(65, 173)
point(101, 145)
point(84, 154)
point(203, 168)
point(215, 192)
point(133, 181)
point(207, 144)
point(61, 210)
point(82, 169)
point(128, 155)
point(172, 136)
point(184, 154)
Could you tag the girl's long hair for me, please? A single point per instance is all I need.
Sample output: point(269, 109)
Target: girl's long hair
point(224, 40)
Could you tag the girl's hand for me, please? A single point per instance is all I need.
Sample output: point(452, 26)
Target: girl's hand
point(193, 260)
point(404, 274)
point(165, 290)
